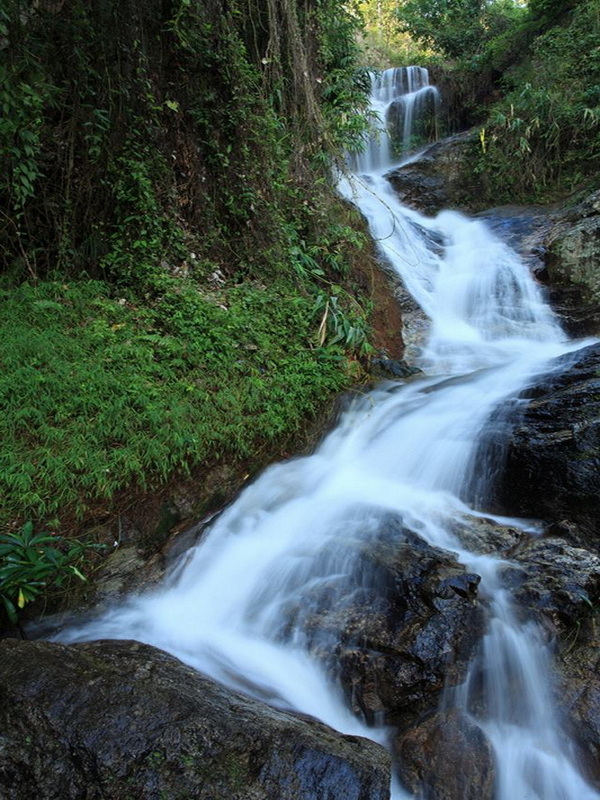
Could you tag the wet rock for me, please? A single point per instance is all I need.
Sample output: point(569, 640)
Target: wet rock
point(524, 228)
point(449, 755)
point(555, 582)
point(415, 326)
point(574, 247)
point(124, 720)
point(552, 450)
point(393, 368)
point(436, 180)
point(577, 670)
point(406, 623)
point(126, 571)
point(482, 536)
point(572, 256)
point(578, 316)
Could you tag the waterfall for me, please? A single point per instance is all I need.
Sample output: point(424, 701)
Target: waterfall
point(236, 605)
point(405, 109)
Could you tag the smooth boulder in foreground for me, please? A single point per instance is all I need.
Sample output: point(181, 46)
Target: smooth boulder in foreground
point(125, 720)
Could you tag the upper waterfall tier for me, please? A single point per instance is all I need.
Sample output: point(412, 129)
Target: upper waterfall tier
point(406, 108)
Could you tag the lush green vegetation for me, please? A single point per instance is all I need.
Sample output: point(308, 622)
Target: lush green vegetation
point(384, 42)
point(175, 267)
point(32, 563)
point(433, 32)
point(99, 393)
point(456, 28)
point(542, 139)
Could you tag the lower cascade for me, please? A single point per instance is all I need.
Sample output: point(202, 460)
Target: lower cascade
point(256, 604)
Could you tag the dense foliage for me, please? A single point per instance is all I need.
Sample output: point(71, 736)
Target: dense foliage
point(455, 27)
point(382, 42)
point(542, 139)
point(174, 264)
point(431, 31)
point(132, 123)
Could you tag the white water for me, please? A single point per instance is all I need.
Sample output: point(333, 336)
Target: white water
point(399, 97)
point(404, 449)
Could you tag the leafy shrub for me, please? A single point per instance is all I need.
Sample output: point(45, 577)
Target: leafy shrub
point(31, 563)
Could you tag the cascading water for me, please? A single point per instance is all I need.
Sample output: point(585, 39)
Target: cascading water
point(236, 605)
point(399, 98)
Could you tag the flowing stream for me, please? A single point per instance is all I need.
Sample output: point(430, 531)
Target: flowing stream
point(405, 449)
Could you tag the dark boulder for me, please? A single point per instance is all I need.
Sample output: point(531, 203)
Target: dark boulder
point(524, 229)
point(554, 582)
point(481, 535)
point(573, 246)
point(449, 755)
point(437, 178)
point(551, 450)
point(577, 675)
point(120, 720)
point(397, 626)
point(392, 368)
point(572, 257)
